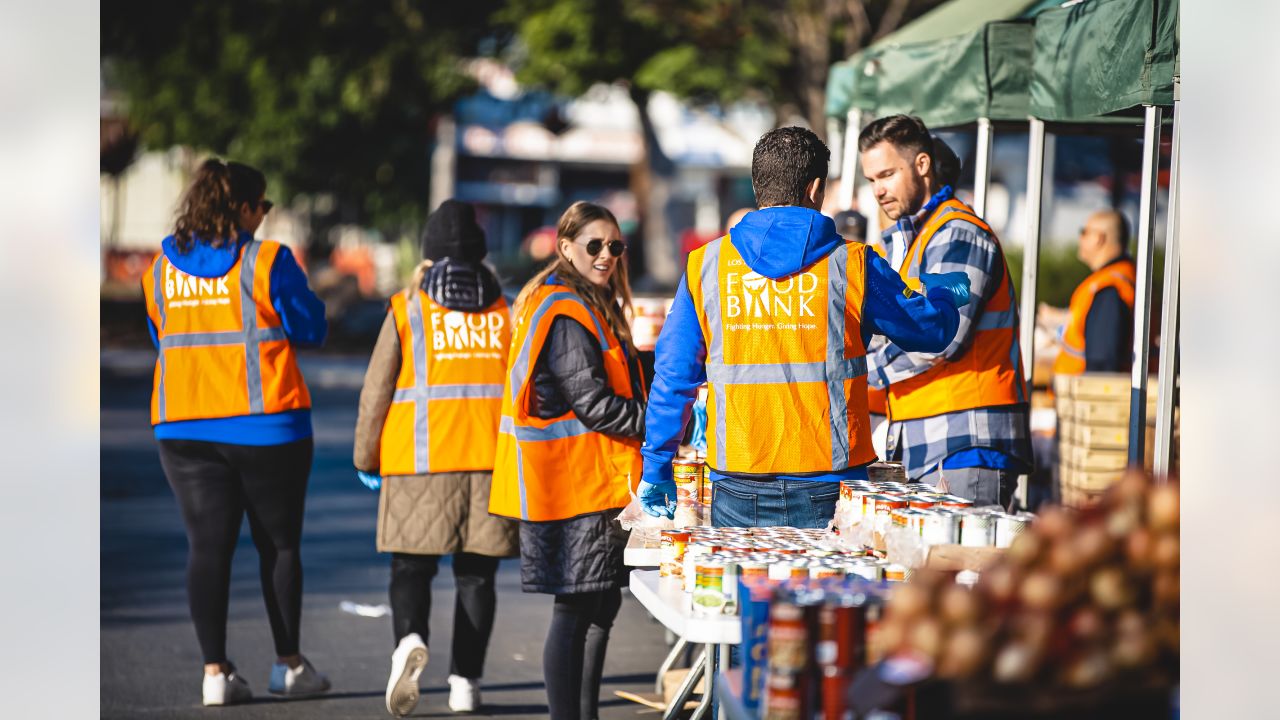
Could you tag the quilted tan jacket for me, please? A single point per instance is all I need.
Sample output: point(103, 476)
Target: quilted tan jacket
point(432, 514)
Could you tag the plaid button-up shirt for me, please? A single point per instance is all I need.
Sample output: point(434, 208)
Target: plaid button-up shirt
point(922, 444)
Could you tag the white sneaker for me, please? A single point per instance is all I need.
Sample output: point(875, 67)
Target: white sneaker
point(302, 681)
point(464, 694)
point(226, 689)
point(407, 662)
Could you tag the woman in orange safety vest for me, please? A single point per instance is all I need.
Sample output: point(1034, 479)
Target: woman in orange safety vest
point(232, 414)
point(569, 447)
point(426, 435)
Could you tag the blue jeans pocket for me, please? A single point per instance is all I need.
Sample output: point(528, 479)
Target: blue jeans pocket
point(732, 508)
point(823, 505)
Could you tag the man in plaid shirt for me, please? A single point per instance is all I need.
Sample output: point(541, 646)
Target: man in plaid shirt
point(977, 447)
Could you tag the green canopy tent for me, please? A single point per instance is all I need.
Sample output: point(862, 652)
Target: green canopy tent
point(965, 61)
point(1103, 61)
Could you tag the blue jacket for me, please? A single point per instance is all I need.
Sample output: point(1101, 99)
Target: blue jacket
point(304, 323)
point(777, 242)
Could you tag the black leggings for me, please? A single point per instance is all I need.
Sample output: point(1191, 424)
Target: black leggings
point(216, 484)
point(473, 608)
point(573, 658)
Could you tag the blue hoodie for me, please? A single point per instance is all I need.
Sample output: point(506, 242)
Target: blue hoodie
point(777, 242)
point(302, 314)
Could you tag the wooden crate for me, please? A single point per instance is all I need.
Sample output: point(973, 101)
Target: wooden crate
point(1093, 459)
point(1098, 386)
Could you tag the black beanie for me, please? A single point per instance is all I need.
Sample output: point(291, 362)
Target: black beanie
point(452, 232)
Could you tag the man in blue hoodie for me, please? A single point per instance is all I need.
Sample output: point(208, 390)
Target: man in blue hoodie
point(775, 318)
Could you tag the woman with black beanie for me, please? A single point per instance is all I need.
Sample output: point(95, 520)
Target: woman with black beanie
point(425, 435)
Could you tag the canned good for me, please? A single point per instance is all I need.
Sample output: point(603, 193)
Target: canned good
point(671, 553)
point(687, 473)
point(751, 568)
point(940, 528)
point(886, 504)
point(826, 571)
point(920, 502)
point(708, 591)
point(862, 568)
point(1009, 527)
point(955, 502)
point(788, 637)
point(694, 553)
point(914, 521)
point(799, 569)
point(977, 530)
point(895, 573)
point(784, 697)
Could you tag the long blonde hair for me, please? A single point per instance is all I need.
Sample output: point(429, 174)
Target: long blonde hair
point(415, 281)
point(613, 301)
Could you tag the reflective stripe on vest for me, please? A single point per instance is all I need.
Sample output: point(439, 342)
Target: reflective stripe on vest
point(558, 469)
point(1122, 276)
point(290, 390)
point(747, 380)
point(472, 423)
point(989, 372)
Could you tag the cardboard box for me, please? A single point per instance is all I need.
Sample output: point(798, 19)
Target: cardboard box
point(1098, 386)
point(1107, 412)
point(1094, 481)
point(959, 557)
point(1087, 458)
point(1094, 436)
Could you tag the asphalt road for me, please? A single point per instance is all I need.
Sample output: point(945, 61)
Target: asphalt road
point(151, 665)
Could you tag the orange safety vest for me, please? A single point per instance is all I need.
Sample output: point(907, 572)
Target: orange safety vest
point(444, 414)
point(786, 366)
point(558, 469)
point(223, 349)
point(1122, 276)
point(878, 398)
point(989, 372)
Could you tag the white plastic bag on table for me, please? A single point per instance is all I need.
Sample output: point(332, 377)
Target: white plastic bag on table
point(640, 523)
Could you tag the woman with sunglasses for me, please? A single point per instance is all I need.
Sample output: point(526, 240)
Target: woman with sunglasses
point(569, 447)
point(232, 413)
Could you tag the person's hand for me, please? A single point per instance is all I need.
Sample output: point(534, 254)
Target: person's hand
point(957, 283)
point(370, 480)
point(658, 499)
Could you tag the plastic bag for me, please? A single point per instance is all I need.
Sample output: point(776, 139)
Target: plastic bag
point(647, 527)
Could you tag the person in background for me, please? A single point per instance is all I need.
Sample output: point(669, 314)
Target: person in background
point(1095, 334)
point(957, 418)
point(232, 413)
point(568, 449)
point(775, 318)
point(426, 435)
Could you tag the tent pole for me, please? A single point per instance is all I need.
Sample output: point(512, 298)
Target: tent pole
point(1031, 248)
point(1167, 383)
point(1142, 292)
point(982, 170)
point(849, 161)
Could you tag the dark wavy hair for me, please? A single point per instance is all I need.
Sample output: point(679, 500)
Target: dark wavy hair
point(210, 208)
point(784, 162)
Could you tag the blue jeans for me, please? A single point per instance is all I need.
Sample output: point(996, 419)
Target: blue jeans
point(751, 503)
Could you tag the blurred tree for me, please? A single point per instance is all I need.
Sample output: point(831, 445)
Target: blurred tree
point(707, 51)
point(329, 98)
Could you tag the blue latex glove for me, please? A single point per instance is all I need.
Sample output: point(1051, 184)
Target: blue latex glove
point(371, 481)
point(957, 283)
point(658, 500)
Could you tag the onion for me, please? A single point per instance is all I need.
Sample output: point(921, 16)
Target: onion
point(1134, 650)
point(1163, 507)
point(1087, 623)
point(1092, 544)
point(926, 635)
point(1026, 549)
point(964, 654)
point(1015, 663)
point(1110, 589)
point(1139, 550)
point(959, 606)
point(1166, 590)
point(908, 601)
point(1167, 551)
point(1055, 522)
point(1088, 670)
point(1040, 590)
point(1000, 582)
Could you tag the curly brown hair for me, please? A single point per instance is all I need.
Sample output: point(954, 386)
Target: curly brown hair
point(210, 208)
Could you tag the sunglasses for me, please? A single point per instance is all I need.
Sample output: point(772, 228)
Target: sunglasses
point(595, 245)
point(266, 205)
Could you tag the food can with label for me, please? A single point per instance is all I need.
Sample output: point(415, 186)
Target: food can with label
point(895, 572)
point(940, 528)
point(977, 530)
point(920, 502)
point(693, 554)
point(955, 502)
point(1009, 527)
point(671, 553)
point(863, 568)
point(708, 590)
